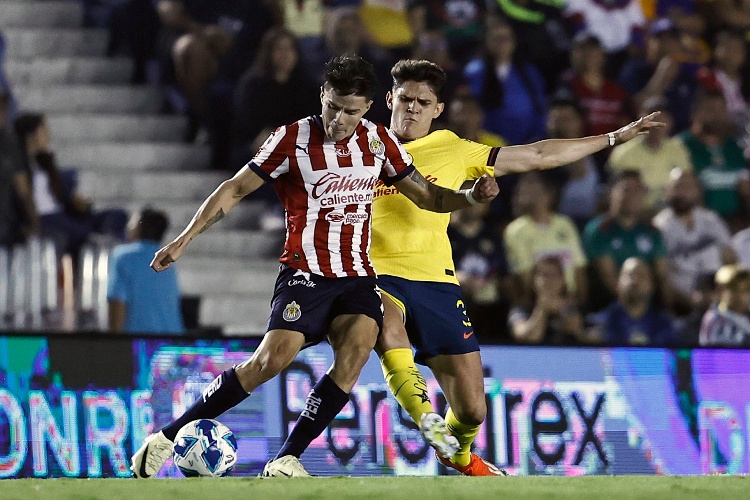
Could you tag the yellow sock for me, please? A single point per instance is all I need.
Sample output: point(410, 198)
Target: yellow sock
point(406, 382)
point(465, 434)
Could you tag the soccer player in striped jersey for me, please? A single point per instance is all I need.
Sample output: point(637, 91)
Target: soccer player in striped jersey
point(324, 169)
point(412, 254)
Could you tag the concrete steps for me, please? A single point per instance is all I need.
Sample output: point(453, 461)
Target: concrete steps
point(41, 14)
point(90, 99)
point(87, 127)
point(181, 212)
point(54, 42)
point(134, 156)
point(69, 70)
point(248, 245)
point(237, 314)
point(167, 186)
point(233, 276)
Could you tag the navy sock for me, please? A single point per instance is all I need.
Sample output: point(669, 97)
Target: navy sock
point(225, 392)
point(324, 402)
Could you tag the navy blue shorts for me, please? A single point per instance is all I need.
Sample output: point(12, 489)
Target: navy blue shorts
point(436, 318)
point(307, 303)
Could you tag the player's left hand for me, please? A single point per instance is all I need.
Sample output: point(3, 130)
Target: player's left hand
point(639, 127)
point(485, 189)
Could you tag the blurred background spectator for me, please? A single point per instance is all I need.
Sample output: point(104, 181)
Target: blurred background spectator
point(727, 74)
point(718, 160)
point(18, 216)
point(460, 22)
point(697, 240)
point(604, 101)
point(466, 120)
point(542, 33)
point(273, 92)
point(141, 300)
point(482, 271)
point(635, 318)
point(728, 322)
point(538, 232)
point(580, 183)
point(552, 315)
point(512, 92)
point(661, 71)
point(623, 232)
point(653, 155)
point(65, 216)
point(618, 25)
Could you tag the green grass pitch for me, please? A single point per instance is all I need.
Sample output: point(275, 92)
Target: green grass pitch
point(390, 488)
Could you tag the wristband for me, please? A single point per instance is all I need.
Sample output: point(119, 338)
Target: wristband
point(612, 139)
point(471, 198)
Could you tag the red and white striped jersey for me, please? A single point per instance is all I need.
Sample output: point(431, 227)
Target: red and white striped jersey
point(327, 190)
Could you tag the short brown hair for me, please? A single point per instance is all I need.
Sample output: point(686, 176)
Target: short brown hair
point(419, 70)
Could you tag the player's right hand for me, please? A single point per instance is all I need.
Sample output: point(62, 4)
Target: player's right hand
point(485, 189)
point(168, 254)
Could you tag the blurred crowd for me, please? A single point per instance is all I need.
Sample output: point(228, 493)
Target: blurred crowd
point(647, 243)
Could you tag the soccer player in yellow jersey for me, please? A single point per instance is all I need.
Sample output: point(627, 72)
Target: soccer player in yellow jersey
point(412, 255)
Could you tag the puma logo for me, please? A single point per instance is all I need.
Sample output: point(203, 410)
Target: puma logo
point(301, 148)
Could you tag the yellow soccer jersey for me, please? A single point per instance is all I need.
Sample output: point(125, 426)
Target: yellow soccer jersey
point(412, 243)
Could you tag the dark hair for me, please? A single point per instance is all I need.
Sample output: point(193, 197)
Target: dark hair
point(627, 174)
point(351, 75)
point(419, 70)
point(152, 224)
point(26, 124)
point(705, 95)
point(563, 101)
point(263, 64)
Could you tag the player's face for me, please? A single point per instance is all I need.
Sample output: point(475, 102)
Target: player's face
point(413, 106)
point(341, 113)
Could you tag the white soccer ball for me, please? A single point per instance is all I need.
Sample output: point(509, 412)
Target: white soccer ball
point(205, 448)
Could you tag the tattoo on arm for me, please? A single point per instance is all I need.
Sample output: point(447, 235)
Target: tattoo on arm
point(216, 218)
point(419, 179)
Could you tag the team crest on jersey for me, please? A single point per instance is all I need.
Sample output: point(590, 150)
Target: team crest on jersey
point(292, 312)
point(377, 147)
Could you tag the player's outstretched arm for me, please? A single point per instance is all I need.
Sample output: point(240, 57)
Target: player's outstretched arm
point(434, 198)
point(213, 209)
point(551, 153)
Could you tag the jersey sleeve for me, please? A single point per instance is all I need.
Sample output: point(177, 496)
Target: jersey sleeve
point(479, 159)
point(272, 159)
point(398, 163)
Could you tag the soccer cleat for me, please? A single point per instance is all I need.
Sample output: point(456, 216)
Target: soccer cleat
point(477, 467)
point(286, 466)
point(150, 458)
point(435, 432)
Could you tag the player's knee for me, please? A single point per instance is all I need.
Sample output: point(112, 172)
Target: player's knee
point(471, 414)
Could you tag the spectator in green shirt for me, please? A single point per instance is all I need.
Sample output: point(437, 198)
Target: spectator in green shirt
point(624, 232)
point(718, 160)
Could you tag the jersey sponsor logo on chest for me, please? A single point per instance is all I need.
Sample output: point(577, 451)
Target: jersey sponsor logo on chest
point(332, 182)
point(348, 218)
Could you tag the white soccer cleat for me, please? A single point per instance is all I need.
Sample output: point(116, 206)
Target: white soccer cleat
point(150, 458)
point(286, 466)
point(435, 432)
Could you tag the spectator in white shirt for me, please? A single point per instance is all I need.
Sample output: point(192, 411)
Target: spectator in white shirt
point(697, 240)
